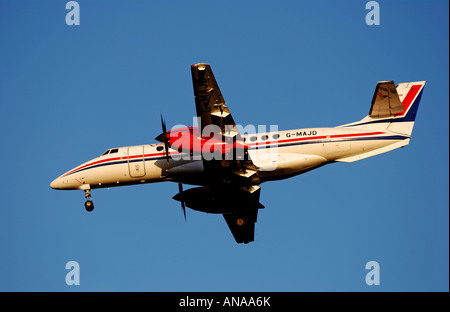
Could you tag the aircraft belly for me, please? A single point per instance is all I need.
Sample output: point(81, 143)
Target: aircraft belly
point(366, 147)
point(289, 164)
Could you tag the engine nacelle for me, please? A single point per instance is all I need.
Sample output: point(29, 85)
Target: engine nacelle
point(192, 167)
point(190, 140)
point(221, 200)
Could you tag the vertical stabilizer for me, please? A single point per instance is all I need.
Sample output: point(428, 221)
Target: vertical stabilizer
point(393, 109)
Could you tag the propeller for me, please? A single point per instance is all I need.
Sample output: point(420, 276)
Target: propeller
point(164, 138)
point(183, 206)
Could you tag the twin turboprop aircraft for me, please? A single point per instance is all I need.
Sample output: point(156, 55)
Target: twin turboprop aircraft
point(229, 166)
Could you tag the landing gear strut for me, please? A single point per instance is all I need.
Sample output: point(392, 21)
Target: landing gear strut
point(89, 205)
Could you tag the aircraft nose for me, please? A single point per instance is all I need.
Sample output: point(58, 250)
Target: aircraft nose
point(56, 184)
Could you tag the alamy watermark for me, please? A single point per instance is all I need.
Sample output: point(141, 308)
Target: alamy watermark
point(73, 276)
point(73, 16)
point(373, 276)
point(373, 17)
point(230, 142)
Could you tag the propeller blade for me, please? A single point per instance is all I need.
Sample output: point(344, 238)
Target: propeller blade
point(183, 206)
point(163, 124)
point(163, 135)
point(165, 139)
point(166, 148)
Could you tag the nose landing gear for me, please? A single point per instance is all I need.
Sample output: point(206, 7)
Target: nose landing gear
point(89, 205)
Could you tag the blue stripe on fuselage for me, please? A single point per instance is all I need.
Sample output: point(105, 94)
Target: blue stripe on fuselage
point(321, 141)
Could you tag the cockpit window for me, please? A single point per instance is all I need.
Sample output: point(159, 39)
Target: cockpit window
point(111, 151)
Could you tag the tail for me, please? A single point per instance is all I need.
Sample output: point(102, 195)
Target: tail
point(393, 108)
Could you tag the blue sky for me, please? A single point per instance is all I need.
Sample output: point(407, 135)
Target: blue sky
point(67, 93)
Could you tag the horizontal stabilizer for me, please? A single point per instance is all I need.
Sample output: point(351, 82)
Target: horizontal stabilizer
point(385, 101)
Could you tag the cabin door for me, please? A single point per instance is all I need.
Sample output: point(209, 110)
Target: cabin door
point(136, 163)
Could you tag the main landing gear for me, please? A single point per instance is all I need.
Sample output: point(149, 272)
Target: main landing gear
point(89, 205)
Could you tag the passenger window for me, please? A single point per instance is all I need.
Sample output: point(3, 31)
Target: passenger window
point(253, 139)
point(276, 136)
point(264, 137)
point(114, 150)
point(159, 148)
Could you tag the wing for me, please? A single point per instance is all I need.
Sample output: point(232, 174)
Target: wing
point(213, 111)
point(242, 220)
point(385, 101)
point(210, 104)
point(235, 190)
point(242, 225)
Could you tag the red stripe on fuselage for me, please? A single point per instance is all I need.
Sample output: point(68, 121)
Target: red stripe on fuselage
point(115, 158)
point(90, 164)
point(321, 137)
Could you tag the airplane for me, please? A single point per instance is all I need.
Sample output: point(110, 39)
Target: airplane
point(228, 166)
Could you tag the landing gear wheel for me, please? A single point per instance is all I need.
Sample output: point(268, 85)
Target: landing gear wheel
point(89, 205)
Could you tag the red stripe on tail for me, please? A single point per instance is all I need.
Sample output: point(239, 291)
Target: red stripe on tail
point(407, 101)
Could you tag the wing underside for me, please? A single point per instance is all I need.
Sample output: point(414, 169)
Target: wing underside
point(209, 102)
point(238, 207)
point(242, 225)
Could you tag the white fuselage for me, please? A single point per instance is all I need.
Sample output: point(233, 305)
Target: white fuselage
point(277, 155)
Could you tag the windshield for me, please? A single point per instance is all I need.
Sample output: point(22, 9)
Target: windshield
point(110, 151)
